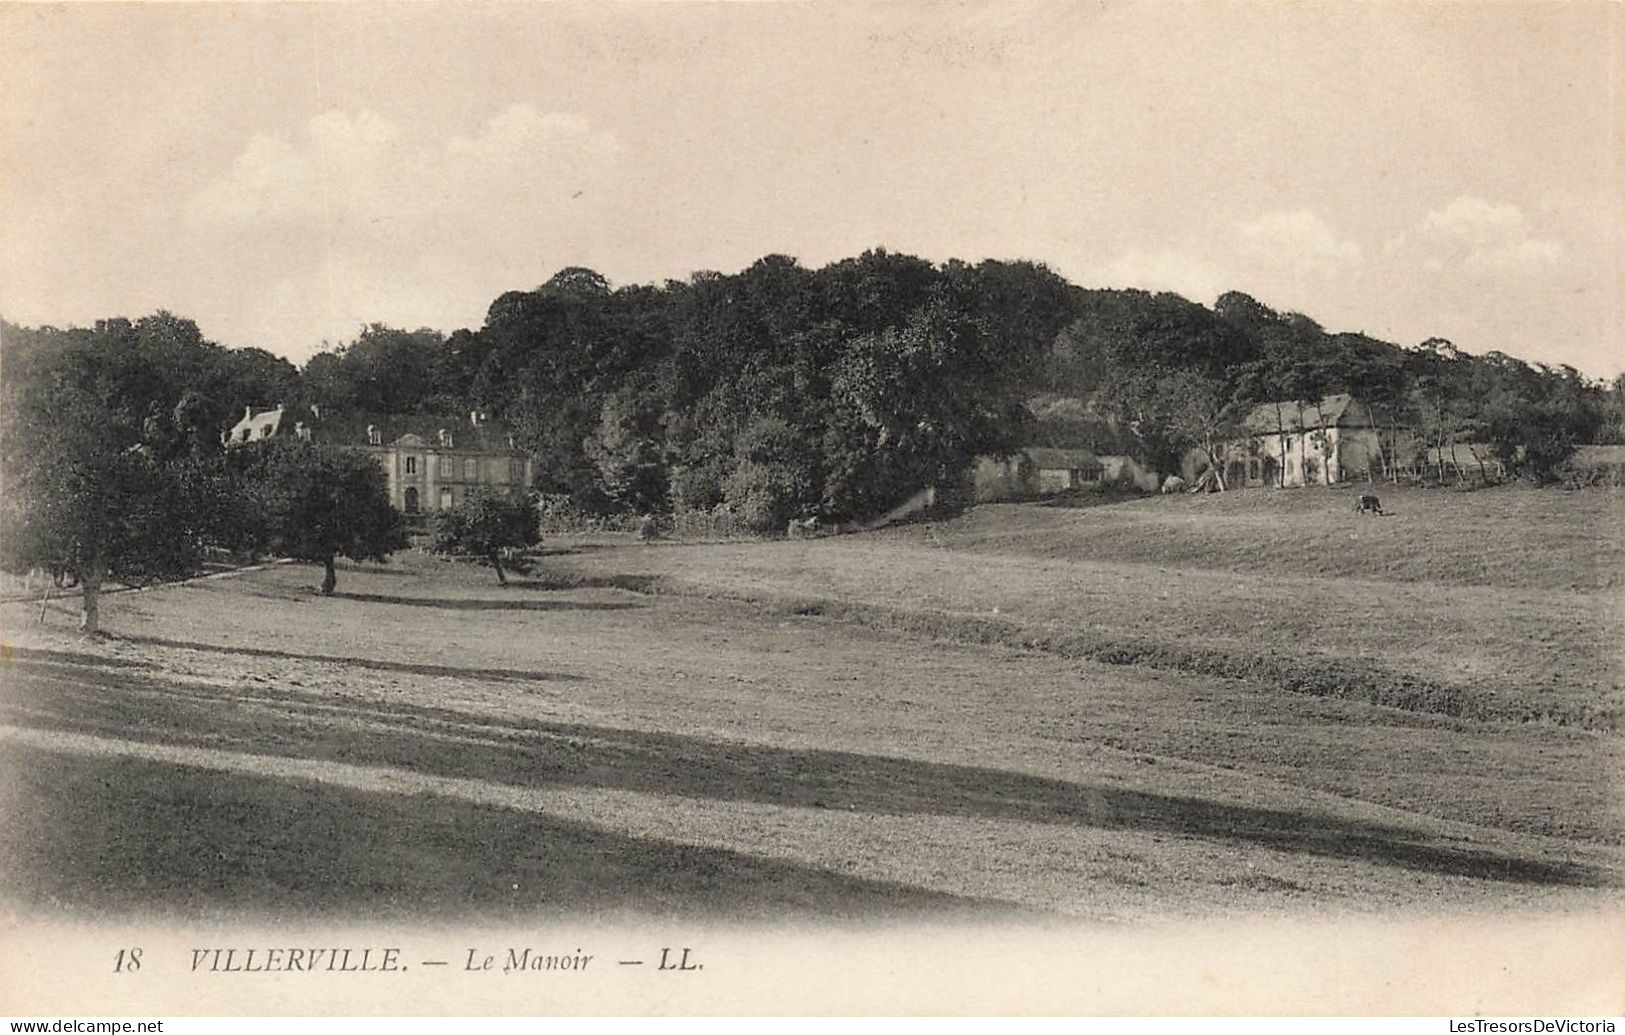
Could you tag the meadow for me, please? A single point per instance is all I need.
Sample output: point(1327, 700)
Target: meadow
point(1190, 706)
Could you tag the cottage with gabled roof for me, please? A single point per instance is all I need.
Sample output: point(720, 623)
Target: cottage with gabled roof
point(1288, 443)
point(433, 461)
point(1036, 470)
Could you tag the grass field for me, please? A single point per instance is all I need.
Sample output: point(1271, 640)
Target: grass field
point(1186, 706)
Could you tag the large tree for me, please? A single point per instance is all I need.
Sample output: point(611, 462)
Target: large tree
point(89, 500)
point(318, 503)
point(487, 526)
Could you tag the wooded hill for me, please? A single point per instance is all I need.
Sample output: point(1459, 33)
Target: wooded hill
point(780, 390)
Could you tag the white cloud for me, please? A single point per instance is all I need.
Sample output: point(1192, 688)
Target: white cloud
point(269, 180)
point(1279, 255)
point(520, 133)
point(355, 217)
point(1297, 241)
point(1476, 221)
point(1478, 236)
point(359, 168)
point(1522, 256)
point(1183, 270)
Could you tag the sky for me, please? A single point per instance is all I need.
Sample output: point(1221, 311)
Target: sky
point(284, 174)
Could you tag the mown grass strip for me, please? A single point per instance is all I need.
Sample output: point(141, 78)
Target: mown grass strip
point(1359, 680)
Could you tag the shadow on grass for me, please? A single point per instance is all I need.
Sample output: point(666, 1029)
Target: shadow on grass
point(1081, 498)
point(372, 664)
point(451, 743)
point(37, 656)
point(99, 835)
point(483, 604)
point(629, 583)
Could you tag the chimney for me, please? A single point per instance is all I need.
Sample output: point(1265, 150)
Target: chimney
point(474, 418)
point(248, 413)
point(300, 431)
point(316, 411)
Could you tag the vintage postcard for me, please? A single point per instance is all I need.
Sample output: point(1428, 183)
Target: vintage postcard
point(812, 508)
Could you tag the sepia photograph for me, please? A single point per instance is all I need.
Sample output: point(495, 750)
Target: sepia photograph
point(580, 508)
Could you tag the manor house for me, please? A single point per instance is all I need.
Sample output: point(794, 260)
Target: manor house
point(433, 461)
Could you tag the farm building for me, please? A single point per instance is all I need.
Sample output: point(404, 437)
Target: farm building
point(1478, 460)
point(433, 461)
point(1289, 444)
point(1121, 469)
point(1036, 470)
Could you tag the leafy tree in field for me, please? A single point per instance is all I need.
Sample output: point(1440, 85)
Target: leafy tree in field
point(88, 501)
point(1201, 412)
point(486, 526)
point(318, 503)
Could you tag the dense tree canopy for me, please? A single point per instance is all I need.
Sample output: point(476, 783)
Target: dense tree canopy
point(776, 392)
point(99, 482)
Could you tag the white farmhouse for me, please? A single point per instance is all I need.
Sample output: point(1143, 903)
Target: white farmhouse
point(1289, 443)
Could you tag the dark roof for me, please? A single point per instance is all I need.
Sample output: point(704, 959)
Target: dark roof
point(350, 429)
point(1334, 411)
point(1047, 459)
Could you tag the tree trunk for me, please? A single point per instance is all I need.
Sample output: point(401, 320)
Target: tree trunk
point(496, 562)
point(1213, 464)
point(90, 594)
point(1280, 429)
point(330, 578)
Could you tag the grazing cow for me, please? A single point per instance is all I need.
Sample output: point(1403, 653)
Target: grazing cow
point(802, 528)
point(1368, 503)
point(1174, 483)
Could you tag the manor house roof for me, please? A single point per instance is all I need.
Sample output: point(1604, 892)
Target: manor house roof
point(472, 432)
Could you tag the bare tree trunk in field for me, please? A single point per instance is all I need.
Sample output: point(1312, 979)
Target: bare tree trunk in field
point(496, 562)
point(1218, 470)
point(330, 578)
point(45, 602)
point(90, 593)
point(1280, 429)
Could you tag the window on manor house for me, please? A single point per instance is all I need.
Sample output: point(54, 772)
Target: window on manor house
point(448, 467)
point(471, 468)
point(411, 465)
